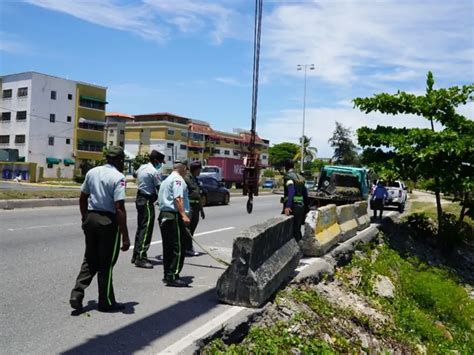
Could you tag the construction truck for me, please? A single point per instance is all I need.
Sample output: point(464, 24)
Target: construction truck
point(340, 185)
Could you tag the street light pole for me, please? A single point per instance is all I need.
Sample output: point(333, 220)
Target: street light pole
point(299, 67)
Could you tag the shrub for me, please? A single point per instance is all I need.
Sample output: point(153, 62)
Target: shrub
point(421, 226)
point(79, 178)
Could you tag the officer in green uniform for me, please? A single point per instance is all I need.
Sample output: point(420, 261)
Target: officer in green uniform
point(174, 205)
point(295, 200)
point(194, 192)
point(103, 220)
point(148, 183)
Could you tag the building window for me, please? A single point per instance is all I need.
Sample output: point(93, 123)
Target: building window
point(7, 94)
point(22, 92)
point(6, 116)
point(50, 140)
point(69, 96)
point(183, 147)
point(4, 139)
point(50, 166)
point(52, 117)
point(112, 131)
point(122, 132)
point(264, 157)
point(53, 95)
point(170, 145)
point(69, 118)
point(216, 151)
point(21, 116)
point(20, 138)
point(68, 141)
point(111, 142)
point(236, 153)
point(226, 152)
point(169, 158)
point(171, 132)
point(184, 134)
point(92, 104)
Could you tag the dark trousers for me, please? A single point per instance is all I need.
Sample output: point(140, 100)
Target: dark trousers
point(298, 212)
point(102, 250)
point(194, 217)
point(145, 224)
point(377, 204)
point(173, 233)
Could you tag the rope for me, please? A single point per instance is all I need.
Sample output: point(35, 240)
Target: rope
point(219, 260)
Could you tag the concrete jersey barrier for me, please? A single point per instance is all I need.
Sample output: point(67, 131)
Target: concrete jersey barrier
point(264, 256)
point(363, 219)
point(321, 231)
point(347, 220)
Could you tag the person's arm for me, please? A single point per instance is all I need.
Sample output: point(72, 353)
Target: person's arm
point(291, 194)
point(179, 202)
point(83, 202)
point(122, 223)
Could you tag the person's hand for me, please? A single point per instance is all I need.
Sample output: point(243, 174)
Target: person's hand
point(125, 244)
point(203, 216)
point(186, 220)
point(287, 211)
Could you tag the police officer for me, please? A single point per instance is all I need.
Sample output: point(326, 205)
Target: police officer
point(148, 181)
point(103, 220)
point(194, 192)
point(174, 204)
point(295, 199)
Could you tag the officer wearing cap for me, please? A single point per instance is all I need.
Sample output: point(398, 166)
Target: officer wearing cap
point(174, 204)
point(148, 182)
point(295, 201)
point(194, 192)
point(103, 220)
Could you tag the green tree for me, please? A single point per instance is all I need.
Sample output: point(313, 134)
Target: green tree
point(269, 173)
point(281, 152)
point(139, 160)
point(345, 151)
point(308, 151)
point(445, 156)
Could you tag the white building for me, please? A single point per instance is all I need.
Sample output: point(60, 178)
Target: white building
point(40, 117)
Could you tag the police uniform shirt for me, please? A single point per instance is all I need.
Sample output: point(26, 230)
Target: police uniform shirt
point(105, 185)
point(171, 188)
point(148, 179)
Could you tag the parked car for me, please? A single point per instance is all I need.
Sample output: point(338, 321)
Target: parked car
point(213, 191)
point(268, 184)
point(310, 185)
point(397, 195)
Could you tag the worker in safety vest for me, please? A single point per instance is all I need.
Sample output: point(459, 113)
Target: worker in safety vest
point(295, 199)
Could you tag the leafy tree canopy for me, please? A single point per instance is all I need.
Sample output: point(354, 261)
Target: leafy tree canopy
point(345, 151)
point(281, 152)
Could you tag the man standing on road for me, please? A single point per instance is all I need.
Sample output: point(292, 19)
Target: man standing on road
point(378, 198)
point(148, 182)
point(102, 205)
point(173, 203)
point(295, 199)
point(194, 192)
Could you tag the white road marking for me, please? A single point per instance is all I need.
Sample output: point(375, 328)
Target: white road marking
point(189, 339)
point(196, 235)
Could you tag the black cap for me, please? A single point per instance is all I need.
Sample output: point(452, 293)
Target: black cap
point(156, 155)
point(115, 152)
point(195, 165)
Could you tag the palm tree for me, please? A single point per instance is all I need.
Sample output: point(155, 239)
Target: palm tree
point(309, 152)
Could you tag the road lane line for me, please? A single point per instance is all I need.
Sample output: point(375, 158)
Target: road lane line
point(189, 339)
point(196, 235)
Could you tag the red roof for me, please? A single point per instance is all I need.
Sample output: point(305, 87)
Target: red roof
point(119, 114)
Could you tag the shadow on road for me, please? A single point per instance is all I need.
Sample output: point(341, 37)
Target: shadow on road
point(136, 336)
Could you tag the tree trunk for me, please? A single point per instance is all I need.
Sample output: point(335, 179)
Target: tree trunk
point(439, 211)
point(463, 209)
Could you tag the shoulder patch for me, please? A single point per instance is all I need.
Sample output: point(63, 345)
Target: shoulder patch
point(123, 183)
point(178, 182)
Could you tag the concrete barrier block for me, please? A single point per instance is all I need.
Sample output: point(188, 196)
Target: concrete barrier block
point(361, 211)
point(321, 231)
point(347, 220)
point(264, 256)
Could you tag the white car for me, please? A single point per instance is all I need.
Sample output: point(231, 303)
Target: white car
point(397, 195)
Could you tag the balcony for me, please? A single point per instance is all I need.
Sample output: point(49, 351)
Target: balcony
point(92, 102)
point(91, 124)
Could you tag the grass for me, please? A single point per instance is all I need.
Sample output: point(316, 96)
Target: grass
point(39, 194)
point(429, 209)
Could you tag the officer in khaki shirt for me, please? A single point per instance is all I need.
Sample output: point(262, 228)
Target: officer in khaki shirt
point(103, 220)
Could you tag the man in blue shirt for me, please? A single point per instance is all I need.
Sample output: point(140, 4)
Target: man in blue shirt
point(378, 198)
point(148, 183)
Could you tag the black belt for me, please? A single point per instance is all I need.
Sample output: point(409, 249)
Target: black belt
point(103, 213)
point(147, 196)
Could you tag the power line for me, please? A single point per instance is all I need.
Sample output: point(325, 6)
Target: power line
point(34, 115)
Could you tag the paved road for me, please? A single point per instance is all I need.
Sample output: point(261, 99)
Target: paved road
point(40, 254)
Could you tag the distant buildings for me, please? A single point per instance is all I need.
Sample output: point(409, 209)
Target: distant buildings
point(54, 122)
point(62, 126)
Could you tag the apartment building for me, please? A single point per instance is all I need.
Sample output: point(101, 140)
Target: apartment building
point(54, 122)
point(115, 128)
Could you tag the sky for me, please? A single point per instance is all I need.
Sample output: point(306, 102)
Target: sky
point(194, 57)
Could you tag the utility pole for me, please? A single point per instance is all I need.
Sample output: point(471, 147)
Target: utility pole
point(306, 67)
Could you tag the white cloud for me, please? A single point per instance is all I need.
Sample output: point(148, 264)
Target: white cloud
point(356, 42)
point(12, 44)
point(286, 125)
point(230, 81)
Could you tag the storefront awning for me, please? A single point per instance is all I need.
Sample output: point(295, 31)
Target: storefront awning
point(94, 122)
point(51, 160)
point(91, 98)
point(69, 162)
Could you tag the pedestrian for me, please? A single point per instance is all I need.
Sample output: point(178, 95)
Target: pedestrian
point(196, 209)
point(295, 200)
point(102, 206)
point(173, 203)
point(148, 183)
point(378, 198)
